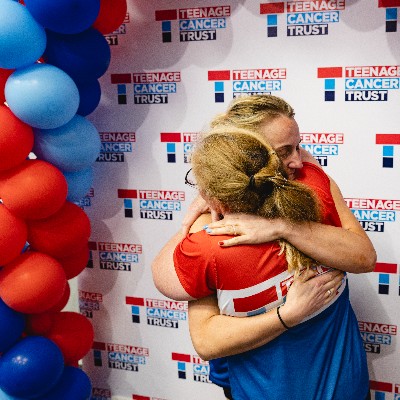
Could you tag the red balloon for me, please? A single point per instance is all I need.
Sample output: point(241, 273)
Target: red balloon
point(64, 233)
point(75, 263)
point(4, 74)
point(73, 333)
point(39, 324)
point(16, 138)
point(63, 301)
point(13, 235)
point(32, 283)
point(111, 15)
point(34, 189)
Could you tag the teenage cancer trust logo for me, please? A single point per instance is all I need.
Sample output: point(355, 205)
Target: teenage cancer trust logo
point(385, 390)
point(114, 146)
point(303, 18)
point(361, 83)
point(120, 356)
point(89, 302)
point(153, 204)
point(375, 335)
point(148, 87)
point(388, 141)
point(195, 24)
point(116, 256)
point(391, 11)
point(322, 145)
point(162, 313)
point(387, 273)
point(373, 214)
point(200, 368)
point(171, 139)
point(247, 81)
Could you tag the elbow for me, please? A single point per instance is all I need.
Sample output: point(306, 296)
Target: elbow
point(368, 262)
point(371, 264)
point(157, 278)
point(203, 351)
point(203, 347)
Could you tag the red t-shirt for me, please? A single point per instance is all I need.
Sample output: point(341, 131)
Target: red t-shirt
point(248, 279)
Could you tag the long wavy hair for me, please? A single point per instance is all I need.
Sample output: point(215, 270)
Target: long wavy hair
point(237, 169)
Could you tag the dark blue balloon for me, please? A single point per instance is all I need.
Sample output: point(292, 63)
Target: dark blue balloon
point(84, 56)
point(79, 183)
point(22, 39)
point(73, 385)
point(64, 16)
point(71, 147)
point(12, 325)
point(31, 367)
point(89, 96)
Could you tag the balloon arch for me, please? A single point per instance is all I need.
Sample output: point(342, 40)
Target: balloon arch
point(52, 54)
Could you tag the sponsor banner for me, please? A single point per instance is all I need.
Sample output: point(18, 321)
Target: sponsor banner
point(198, 369)
point(391, 13)
point(120, 356)
point(89, 302)
point(195, 24)
point(115, 146)
point(153, 204)
point(387, 273)
point(244, 82)
point(361, 83)
point(302, 17)
point(388, 141)
point(160, 313)
point(172, 138)
point(375, 336)
point(322, 145)
point(146, 87)
point(374, 214)
point(116, 256)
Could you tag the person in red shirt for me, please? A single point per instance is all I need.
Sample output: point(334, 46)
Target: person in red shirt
point(273, 118)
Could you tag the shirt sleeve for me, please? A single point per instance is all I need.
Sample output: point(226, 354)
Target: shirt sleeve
point(316, 178)
point(194, 265)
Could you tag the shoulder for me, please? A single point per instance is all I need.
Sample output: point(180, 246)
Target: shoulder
point(202, 220)
point(312, 174)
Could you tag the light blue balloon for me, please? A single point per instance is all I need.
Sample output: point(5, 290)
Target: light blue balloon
point(79, 183)
point(42, 95)
point(71, 147)
point(22, 39)
point(5, 396)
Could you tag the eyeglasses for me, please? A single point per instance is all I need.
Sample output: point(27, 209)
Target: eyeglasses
point(189, 180)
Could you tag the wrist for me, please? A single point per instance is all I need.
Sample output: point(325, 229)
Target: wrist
point(281, 319)
point(282, 228)
point(287, 317)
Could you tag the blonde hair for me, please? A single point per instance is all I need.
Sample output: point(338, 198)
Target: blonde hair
point(240, 171)
point(251, 111)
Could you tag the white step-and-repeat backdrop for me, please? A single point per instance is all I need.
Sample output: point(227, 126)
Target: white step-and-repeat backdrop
point(175, 64)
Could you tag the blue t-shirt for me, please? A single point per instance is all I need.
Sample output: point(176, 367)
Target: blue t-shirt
point(320, 359)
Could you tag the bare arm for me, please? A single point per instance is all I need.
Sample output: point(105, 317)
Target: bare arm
point(348, 248)
point(353, 250)
point(214, 335)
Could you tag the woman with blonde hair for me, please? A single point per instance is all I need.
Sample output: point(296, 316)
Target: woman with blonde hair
point(317, 357)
